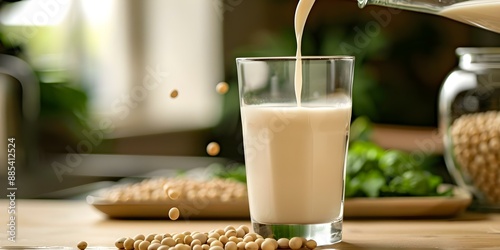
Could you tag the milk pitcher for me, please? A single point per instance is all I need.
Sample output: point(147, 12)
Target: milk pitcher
point(479, 13)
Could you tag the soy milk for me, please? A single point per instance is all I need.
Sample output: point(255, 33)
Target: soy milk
point(295, 155)
point(295, 160)
point(484, 14)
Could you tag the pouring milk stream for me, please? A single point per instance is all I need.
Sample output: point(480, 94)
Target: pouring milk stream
point(303, 9)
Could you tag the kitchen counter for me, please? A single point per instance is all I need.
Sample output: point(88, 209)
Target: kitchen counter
point(63, 223)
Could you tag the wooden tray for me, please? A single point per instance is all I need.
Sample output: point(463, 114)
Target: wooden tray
point(408, 206)
point(159, 209)
point(353, 207)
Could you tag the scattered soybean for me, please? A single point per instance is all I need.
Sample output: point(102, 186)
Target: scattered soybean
point(213, 148)
point(222, 88)
point(82, 245)
point(174, 93)
point(216, 239)
point(173, 213)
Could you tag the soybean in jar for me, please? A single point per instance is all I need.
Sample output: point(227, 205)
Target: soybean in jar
point(469, 109)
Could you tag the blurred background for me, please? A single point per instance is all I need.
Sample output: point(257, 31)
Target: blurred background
point(88, 88)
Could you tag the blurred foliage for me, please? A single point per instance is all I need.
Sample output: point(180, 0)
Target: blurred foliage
point(8, 49)
point(66, 103)
point(361, 129)
point(235, 172)
point(61, 101)
point(232, 171)
point(372, 171)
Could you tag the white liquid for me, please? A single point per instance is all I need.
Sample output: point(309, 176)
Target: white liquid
point(295, 162)
point(295, 156)
point(484, 14)
point(301, 13)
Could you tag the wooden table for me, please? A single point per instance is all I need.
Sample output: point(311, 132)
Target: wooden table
point(65, 223)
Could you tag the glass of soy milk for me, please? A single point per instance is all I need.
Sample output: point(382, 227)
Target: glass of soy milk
point(295, 133)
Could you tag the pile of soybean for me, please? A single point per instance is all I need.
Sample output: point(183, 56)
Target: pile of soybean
point(182, 189)
point(229, 238)
point(476, 146)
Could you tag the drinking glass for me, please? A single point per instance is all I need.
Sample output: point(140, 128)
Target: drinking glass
point(295, 151)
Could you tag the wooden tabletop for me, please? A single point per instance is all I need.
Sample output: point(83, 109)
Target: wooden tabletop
point(62, 223)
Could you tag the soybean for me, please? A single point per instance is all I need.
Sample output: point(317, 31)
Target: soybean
point(251, 246)
point(150, 237)
point(136, 244)
point(168, 242)
point(223, 239)
point(82, 245)
point(268, 245)
point(222, 87)
point(283, 243)
point(173, 213)
point(230, 246)
point(174, 93)
point(128, 244)
point(295, 243)
point(154, 246)
point(213, 149)
point(139, 237)
point(173, 193)
point(201, 237)
point(216, 243)
point(181, 246)
point(259, 241)
point(119, 242)
point(188, 239)
point(144, 245)
point(311, 244)
point(241, 245)
point(195, 242)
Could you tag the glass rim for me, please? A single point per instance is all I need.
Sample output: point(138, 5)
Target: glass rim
point(290, 58)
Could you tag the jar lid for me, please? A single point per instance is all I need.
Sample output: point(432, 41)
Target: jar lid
point(473, 58)
point(477, 50)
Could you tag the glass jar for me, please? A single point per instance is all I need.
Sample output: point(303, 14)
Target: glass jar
point(469, 108)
